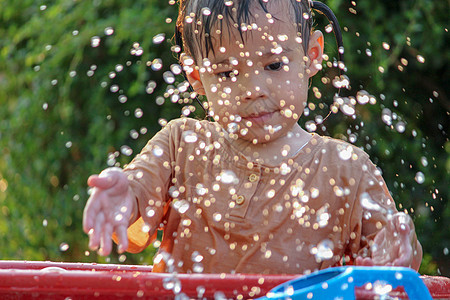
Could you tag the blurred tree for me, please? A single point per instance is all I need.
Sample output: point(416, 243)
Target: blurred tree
point(83, 86)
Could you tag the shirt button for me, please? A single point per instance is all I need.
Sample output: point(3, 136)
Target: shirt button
point(240, 200)
point(253, 177)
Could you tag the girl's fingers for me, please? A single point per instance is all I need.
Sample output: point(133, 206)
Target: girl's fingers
point(91, 211)
point(102, 181)
point(95, 232)
point(364, 261)
point(121, 232)
point(106, 239)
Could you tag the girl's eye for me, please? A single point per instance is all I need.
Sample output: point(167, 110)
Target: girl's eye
point(275, 66)
point(227, 74)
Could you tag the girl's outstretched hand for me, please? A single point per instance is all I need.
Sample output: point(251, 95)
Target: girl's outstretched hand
point(395, 245)
point(110, 208)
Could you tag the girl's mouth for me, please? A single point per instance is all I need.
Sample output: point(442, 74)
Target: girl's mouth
point(259, 118)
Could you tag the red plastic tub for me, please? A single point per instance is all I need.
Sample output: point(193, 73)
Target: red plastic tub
point(52, 280)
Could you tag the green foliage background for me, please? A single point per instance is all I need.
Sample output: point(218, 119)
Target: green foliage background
point(61, 118)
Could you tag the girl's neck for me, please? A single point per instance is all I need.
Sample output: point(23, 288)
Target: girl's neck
point(276, 151)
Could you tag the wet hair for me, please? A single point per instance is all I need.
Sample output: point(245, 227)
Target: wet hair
point(197, 18)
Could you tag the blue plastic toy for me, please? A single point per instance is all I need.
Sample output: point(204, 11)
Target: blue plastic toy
point(340, 283)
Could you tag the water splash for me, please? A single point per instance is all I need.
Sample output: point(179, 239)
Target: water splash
point(324, 250)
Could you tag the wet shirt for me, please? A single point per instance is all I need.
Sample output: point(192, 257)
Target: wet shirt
point(223, 213)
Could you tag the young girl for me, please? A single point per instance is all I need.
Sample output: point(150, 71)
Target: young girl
point(251, 192)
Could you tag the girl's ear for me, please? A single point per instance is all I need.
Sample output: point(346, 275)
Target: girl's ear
point(195, 81)
point(193, 76)
point(315, 52)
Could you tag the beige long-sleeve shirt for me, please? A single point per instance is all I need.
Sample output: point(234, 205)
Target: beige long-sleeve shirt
point(221, 212)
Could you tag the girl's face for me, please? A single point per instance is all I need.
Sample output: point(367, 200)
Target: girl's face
point(258, 89)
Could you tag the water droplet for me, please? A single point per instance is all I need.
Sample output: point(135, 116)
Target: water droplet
point(228, 177)
point(368, 52)
point(345, 153)
point(217, 217)
point(176, 69)
point(200, 189)
point(95, 41)
point(386, 46)
point(324, 250)
point(381, 287)
point(196, 257)
point(424, 161)
point(159, 38)
point(168, 283)
point(118, 68)
point(122, 258)
point(200, 291)
point(362, 97)
point(341, 82)
point(189, 136)
point(138, 113)
point(45, 223)
point(400, 127)
point(311, 126)
point(109, 30)
point(420, 59)
point(232, 127)
point(168, 77)
point(329, 28)
point(367, 202)
point(118, 217)
point(347, 109)
point(181, 206)
point(206, 11)
point(114, 88)
point(285, 169)
point(420, 177)
point(64, 247)
point(123, 98)
point(157, 64)
point(197, 268)
point(126, 150)
point(157, 151)
point(322, 217)
point(386, 116)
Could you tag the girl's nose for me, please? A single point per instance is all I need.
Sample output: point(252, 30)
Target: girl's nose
point(253, 88)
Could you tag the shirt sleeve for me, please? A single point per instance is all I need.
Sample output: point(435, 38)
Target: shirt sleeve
point(372, 206)
point(150, 175)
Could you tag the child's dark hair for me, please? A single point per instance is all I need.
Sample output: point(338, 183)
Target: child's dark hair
point(197, 18)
